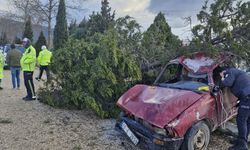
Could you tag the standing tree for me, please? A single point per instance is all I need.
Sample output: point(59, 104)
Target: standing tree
point(47, 12)
point(107, 18)
point(101, 22)
point(72, 27)
point(81, 31)
point(17, 40)
point(158, 46)
point(41, 11)
point(159, 43)
point(40, 42)
point(130, 35)
point(83, 23)
point(61, 29)
point(25, 9)
point(28, 33)
point(3, 38)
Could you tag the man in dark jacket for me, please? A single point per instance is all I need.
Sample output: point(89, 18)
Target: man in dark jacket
point(13, 60)
point(239, 84)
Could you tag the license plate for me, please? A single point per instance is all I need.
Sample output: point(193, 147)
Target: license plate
point(129, 133)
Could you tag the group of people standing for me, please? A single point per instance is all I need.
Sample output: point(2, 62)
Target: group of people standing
point(27, 63)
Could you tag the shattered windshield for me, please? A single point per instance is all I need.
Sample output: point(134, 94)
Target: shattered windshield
point(178, 77)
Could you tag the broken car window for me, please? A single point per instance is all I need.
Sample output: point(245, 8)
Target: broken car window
point(177, 76)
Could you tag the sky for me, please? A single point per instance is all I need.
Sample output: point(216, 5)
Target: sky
point(144, 11)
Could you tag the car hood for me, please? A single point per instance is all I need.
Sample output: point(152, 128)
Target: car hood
point(157, 105)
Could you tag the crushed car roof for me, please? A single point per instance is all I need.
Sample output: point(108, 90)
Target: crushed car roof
point(201, 62)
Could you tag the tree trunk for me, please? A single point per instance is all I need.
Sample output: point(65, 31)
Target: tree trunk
point(49, 33)
point(49, 23)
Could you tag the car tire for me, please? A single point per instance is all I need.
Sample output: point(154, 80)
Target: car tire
point(197, 137)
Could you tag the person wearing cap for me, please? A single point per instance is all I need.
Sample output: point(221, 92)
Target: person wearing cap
point(1, 66)
point(28, 64)
point(13, 60)
point(44, 59)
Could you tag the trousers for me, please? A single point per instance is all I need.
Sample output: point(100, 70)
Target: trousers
point(15, 74)
point(243, 120)
point(28, 82)
point(42, 68)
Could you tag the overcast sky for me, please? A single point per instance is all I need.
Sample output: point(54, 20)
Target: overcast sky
point(144, 11)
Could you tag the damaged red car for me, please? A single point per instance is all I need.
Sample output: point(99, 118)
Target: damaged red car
point(181, 108)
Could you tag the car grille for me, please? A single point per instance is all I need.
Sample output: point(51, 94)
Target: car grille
point(150, 126)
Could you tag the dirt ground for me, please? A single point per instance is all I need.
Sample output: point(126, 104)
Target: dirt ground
point(35, 126)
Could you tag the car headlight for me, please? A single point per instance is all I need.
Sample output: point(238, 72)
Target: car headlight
point(160, 131)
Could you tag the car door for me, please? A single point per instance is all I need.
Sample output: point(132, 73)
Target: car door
point(225, 100)
point(226, 105)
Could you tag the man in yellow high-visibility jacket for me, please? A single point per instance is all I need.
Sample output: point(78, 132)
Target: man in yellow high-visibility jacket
point(1, 67)
point(28, 64)
point(44, 59)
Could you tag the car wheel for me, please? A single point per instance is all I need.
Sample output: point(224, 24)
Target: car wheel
point(197, 137)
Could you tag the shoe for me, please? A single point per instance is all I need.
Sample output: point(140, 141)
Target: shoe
point(37, 79)
point(29, 99)
point(25, 97)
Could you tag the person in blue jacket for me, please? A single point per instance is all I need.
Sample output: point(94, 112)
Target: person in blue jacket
point(239, 83)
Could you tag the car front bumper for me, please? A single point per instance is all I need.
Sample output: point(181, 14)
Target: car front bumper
point(149, 139)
